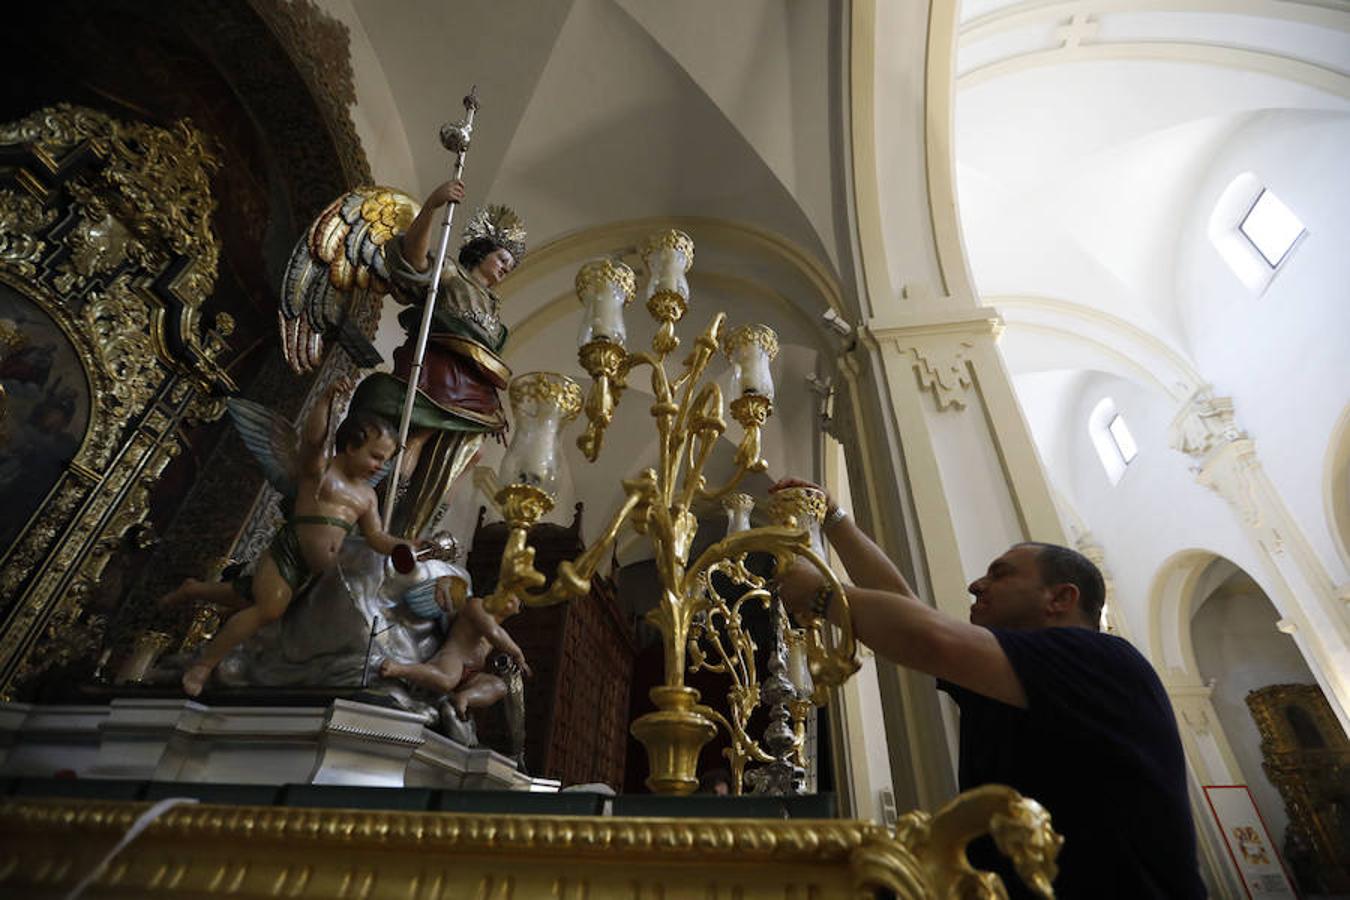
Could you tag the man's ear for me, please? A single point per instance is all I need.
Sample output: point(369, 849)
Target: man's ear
point(1063, 598)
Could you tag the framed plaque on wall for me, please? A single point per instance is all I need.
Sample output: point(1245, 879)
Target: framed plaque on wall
point(1249, 843)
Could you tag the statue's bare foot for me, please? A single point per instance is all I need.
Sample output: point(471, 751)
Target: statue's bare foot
point(194, 679)
point(461, 705)
point(178, 595)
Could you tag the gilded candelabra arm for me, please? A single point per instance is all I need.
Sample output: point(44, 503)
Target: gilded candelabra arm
point(522, 505)
point(779, 540)
point(751, 411)
point(831, 661)
point(604, 361)
point(519, 578)
point(743, 748)
point(706, 427)
point(737, 663)
point(705, 347)
point(573, 579)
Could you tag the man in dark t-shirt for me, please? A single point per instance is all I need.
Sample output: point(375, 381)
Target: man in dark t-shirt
point(1050, 706)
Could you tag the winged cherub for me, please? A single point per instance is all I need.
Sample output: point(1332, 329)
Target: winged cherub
point(328, 493)
point(459, 670)
point(377, 239)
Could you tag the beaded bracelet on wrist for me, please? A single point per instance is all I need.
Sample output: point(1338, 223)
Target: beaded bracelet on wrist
point(820, 603)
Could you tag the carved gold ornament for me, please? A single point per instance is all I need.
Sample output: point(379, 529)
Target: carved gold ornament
point(796, 506)
point(601, 272)
point(124, 285)
point(201, 850)
point(548, 388)
point(669, 240)
point(757, 335)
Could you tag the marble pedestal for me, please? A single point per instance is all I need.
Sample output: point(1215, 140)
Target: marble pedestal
point(181, 740)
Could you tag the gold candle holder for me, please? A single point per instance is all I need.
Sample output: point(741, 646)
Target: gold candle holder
point(674, 736)
point(145, 652)
point(668, 255)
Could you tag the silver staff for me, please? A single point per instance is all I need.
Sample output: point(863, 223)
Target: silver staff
point(455, 138)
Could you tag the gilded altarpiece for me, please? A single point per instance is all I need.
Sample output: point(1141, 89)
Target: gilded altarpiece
point(1307, 758)
point(106, 258)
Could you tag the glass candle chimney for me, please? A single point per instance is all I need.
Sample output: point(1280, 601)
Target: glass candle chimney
point(738, 507)
point(668, 256)
point(604, 287)
point(751, 348)
point(542, 404)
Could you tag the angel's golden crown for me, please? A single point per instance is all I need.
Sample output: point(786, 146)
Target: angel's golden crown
point(499, 224)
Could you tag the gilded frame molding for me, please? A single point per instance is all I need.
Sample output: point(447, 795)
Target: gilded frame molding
point(47, 846)
point(105, 227)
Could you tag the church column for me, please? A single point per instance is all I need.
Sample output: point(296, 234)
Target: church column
point(947, 479)
point(1302, 590)
point(1210, 761)
point(974, 473)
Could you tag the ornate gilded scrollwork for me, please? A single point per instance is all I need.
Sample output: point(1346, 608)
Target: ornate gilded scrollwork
point(598, 857)
point(105, 233)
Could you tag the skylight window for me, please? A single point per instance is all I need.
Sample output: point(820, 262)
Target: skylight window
point(1125, 444)
point(1111, 439)
point(1272, 228)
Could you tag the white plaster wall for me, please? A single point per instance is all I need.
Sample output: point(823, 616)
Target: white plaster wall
point(1237, 645)
point(1284, 355)
point(1157, 508)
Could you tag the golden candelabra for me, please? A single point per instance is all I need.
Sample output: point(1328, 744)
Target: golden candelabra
point(697, 624)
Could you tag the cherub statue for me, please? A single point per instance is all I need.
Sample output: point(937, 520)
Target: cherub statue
point(459, 670)
point(377, 239)
point(328, 492)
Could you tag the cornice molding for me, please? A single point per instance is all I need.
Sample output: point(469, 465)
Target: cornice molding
point(1325, 14)
point(1222, 56)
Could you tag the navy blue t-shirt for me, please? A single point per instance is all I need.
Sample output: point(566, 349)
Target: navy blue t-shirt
point(1097, 746)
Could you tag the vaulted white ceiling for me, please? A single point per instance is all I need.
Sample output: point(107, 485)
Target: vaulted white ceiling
point(1082, 130)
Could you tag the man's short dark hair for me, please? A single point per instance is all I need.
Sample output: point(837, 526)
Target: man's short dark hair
point(359, 427)
point(475, 251)
point(1061, 565)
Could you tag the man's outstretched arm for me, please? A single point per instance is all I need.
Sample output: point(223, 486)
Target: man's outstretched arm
point(895, 623)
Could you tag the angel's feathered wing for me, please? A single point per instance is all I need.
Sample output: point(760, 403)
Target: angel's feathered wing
point(338, 254)
point(272, 440)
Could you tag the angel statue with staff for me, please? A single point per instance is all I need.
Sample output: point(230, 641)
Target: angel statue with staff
point(368, 243)
point(376, 238)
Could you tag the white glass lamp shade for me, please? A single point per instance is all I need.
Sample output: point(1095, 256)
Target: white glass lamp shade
point(751, 348)
point(799, 668)
point(668, 256)
point(738, 507)
point(604, 287)
point(542, 404)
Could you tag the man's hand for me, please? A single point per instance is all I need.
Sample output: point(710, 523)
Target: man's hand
point(342, 386)
point(447, 192)
point(798, 586)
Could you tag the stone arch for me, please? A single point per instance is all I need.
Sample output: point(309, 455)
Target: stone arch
point(1336, 486)
point(1172, 599)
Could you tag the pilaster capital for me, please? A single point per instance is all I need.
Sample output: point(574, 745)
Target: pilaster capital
point(1203, 424)
point(921, 325)
point(938, 345)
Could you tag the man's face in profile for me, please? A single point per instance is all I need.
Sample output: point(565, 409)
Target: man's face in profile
point(1011, 594)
